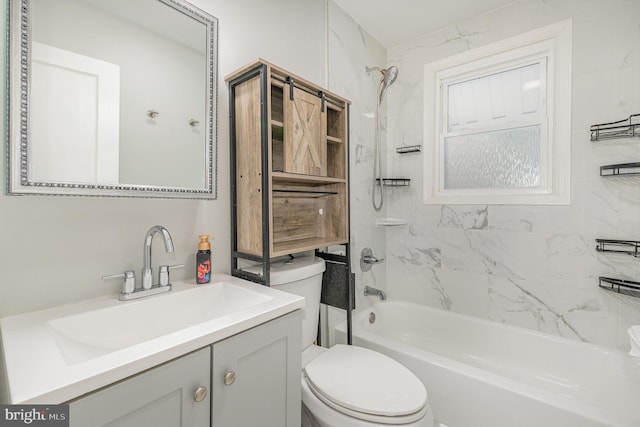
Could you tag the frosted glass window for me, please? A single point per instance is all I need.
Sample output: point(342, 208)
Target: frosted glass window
point(493, 129)
point(497, 122)
point(500, 159)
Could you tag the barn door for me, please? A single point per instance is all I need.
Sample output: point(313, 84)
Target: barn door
point(305, 139)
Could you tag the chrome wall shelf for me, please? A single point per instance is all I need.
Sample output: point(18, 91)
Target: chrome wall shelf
point(409, 149)
point(620, 169)
point(395, 182)
point(625, 287)
point(627, 128)
point(629, 247)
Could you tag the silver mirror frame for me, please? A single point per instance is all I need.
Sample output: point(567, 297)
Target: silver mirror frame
point(18, 39)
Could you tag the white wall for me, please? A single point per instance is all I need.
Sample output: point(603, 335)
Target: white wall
point(54, 250)
point(531, 266)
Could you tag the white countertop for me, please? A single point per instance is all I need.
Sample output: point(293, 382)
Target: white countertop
point(42, 367)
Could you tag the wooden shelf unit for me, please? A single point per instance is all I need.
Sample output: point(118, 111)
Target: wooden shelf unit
point(289, 161)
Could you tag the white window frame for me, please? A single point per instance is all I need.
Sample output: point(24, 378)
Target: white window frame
point(550, 45)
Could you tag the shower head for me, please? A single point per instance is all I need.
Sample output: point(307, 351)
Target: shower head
point(389, 75)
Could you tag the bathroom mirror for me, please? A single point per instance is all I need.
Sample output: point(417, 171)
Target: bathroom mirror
point(112, 98)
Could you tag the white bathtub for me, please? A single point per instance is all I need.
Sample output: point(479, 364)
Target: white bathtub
point(480, 373)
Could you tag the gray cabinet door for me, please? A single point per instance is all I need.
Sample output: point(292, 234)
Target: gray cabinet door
point(261, 368)
point(160, 397)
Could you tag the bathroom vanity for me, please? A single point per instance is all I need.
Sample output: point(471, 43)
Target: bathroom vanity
point(254, 369)
point(226, 353)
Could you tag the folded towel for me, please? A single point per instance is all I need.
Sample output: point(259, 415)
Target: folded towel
point(634, 338)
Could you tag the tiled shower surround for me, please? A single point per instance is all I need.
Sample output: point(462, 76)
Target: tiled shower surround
point(529, 266)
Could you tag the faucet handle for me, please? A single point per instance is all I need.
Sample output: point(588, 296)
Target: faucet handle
point(163, 279)
point(129, 284)
point(367, 259)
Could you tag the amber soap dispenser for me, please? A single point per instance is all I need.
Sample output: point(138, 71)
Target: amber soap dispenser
point(203, 260)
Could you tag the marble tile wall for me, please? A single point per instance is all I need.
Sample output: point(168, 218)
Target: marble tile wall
point(351, 49)
point(530, 266)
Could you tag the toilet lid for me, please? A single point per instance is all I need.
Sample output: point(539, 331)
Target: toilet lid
point(366, 382)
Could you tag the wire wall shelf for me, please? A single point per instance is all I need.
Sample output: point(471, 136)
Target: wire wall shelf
point(629, 247)
point(620, 169)
point(409, 149)
point(625, 287)
point(626, 128)
point(395, 182)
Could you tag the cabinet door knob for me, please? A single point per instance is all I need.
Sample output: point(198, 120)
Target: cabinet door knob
point(229, 378)
point(200, 394)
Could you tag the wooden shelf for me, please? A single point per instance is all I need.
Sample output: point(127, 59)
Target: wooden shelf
point(293, 178)
point(287, 247)
point(334, 139)
point(302, 193)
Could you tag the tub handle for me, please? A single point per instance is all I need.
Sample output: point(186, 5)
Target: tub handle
point(367, 259)
point(370, 259)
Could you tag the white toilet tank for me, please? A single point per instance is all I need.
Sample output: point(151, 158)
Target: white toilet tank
point(301, 276)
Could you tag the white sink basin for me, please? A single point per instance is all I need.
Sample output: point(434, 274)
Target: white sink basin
point(54, 355)
point(97, 332)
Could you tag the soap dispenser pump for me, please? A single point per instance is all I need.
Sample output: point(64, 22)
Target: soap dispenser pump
point(203, 260)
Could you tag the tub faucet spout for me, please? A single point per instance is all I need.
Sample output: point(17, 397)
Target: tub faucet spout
point(368, 290)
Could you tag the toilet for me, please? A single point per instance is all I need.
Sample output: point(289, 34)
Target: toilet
point(347, 386)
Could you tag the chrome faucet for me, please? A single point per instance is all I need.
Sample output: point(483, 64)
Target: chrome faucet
point(368, 290)
point(147, 273)
point(367, 259)
point(129, 290)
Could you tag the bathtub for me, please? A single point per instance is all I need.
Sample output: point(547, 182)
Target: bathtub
point(480, 373)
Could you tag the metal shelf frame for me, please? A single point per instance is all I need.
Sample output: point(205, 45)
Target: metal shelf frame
point(620, 169)
point(625, 287)
point(627, 128)
point(394, 182)
point(264, 258)
point(407, 149)
point(628, 247)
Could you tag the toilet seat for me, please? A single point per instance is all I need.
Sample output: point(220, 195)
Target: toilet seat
point(366, 385)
